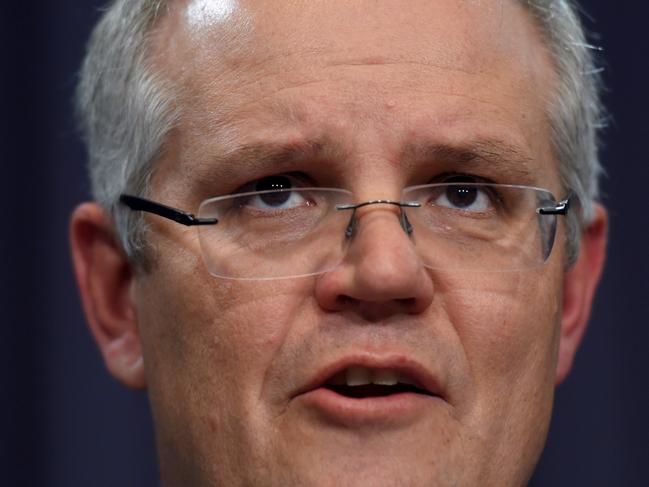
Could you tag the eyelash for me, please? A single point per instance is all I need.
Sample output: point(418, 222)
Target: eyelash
point(458, 177)
point(303, 180)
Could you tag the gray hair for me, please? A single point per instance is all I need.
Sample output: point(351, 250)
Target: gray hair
point(126, 111)
point(577, 114)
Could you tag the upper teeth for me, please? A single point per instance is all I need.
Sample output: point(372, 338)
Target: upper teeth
point(360, 376)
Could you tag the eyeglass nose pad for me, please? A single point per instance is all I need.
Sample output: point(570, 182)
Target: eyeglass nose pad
point(405, 223)
point(352, 225)
point(350, 231)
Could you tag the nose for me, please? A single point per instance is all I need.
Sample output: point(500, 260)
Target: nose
point(381, 275)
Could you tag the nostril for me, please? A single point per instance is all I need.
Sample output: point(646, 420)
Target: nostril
point(407, 302)
point(344, 301)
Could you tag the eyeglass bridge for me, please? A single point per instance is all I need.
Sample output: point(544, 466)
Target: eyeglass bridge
point(403, 218)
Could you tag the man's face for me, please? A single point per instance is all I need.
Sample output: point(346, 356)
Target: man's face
point(236, 369)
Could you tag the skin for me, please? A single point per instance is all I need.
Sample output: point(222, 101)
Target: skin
point(222, 359)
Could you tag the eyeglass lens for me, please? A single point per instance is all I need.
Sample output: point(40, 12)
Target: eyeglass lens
point(293, 232)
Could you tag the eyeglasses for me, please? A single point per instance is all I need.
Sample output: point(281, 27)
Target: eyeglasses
point(294, 232)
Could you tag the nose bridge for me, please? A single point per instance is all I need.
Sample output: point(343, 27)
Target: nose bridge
point(379, 237)
point(388, 205)
point(381, 273)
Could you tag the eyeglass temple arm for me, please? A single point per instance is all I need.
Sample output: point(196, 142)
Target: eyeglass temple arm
point(184, 218)
point(561, 208)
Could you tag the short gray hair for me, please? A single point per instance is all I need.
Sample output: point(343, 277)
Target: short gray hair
point(577, 115)
point(126, 110)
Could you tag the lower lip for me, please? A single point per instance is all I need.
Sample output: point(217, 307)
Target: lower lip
point(395, 409)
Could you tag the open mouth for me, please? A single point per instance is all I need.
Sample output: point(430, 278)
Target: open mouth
point(363, 383)
point(359, 391)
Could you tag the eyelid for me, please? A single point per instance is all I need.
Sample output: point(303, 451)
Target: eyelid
point(494, 196)
point(301, 178)
point(459, 177)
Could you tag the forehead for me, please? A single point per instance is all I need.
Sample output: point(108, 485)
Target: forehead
point(470, 35)
point(449, 70)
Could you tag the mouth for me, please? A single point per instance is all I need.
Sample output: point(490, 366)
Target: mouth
point(362, 382)
point(364, 391)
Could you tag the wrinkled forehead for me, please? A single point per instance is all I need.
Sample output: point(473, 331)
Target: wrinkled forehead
point(275, 72)
point(472, 36)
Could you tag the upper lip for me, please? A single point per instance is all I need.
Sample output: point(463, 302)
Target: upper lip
point(422, 377)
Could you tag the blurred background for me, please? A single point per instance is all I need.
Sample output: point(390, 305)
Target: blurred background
point(65, 422)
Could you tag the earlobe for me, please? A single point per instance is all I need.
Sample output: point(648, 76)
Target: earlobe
point(580, 284)
point(105, 277)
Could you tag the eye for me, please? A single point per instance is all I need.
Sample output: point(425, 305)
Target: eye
point(276, 193)
point(468, 198)
point(464, 193)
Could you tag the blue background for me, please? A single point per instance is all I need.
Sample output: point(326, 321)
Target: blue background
point(65, 422)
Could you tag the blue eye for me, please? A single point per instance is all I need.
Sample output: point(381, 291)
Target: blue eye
point(467, 198)
point(276, 193)
point(284, 200)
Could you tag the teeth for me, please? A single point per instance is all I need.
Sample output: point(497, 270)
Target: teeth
point(385, 377)
point(340, 379)
point(404, 379)
point(358, 376)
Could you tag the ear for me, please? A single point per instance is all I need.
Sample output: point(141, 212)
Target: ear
point(105, 277)
point(580, 283)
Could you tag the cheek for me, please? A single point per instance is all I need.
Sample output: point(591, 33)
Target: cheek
point(507, 325)
point(254, 320)
point(207, 345)
point(206, 336)
point(507, 328)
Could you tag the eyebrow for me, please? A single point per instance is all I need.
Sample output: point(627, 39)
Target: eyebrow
point(494, 155)
point(261, 156)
